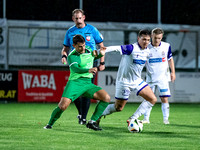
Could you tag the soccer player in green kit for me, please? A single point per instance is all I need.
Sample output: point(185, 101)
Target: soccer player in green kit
point(80, 61)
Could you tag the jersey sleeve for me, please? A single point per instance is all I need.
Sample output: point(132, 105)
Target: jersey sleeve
point(98, 37)
point(169, 55)
point(123, 49)
point(75, 67)
point(113, 48)
point(73, 64)
point(66, 41)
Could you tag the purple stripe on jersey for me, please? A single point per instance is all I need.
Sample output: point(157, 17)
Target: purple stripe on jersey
point(169, 55)
point(127, 49)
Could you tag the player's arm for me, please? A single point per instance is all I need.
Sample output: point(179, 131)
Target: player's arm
point(73, 64)
point(99, 53)
point(172, 68)
point(101, 67)
point(113, 48)
point(75, 67)
point(64, 52)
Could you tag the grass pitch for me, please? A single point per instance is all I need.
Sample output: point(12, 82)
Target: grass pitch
point(21, 127)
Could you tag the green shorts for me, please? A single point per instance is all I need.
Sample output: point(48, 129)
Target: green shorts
point(78, 87)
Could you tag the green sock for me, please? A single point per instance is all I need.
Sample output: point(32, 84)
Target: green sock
point(55, 115)
point(101, 106)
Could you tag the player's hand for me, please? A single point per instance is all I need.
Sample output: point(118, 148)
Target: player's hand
point(173, 77)
point(103, 50)
point(63, 60)
point(101, 67)
point(95, 53)
point(93, 70)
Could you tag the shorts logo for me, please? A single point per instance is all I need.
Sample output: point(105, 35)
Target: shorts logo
point(88, 38)
point(125, 92)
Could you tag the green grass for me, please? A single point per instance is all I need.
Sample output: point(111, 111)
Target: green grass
point(21, 127)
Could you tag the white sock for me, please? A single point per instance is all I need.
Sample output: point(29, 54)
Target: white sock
point(165, 110)
point(147, 114)
point(109, 110)
point(144, 106)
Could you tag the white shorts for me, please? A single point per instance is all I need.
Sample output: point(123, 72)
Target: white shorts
point(163, 88)
point(123, 90)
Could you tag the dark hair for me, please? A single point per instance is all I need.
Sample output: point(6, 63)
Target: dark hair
point(78, 38)
point(157, 31)
point(77, 11)
point(144, 32)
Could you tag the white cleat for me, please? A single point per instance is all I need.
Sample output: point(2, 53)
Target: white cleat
point(145, 121)
point(166, 121)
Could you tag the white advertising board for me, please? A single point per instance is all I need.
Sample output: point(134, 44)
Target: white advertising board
point(185, 89)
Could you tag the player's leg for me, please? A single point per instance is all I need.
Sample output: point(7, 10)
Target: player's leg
point(148, 112)
point(82, 104)
point(78, 104)
point(122, 93)
point(117, 107)
point(71, 92)
point(148, 103)
point(104, 99)
point(165, 109)
point(62, 106)
point(164, 94)
point(85, 108)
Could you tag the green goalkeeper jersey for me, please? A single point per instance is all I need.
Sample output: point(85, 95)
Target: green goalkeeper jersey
point(80, 63)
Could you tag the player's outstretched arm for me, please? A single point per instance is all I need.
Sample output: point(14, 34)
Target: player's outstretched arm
point(113, 48)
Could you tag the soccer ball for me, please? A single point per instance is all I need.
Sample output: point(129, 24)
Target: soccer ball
point(135, 126)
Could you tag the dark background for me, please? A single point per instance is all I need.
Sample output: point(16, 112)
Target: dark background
point(132, 11)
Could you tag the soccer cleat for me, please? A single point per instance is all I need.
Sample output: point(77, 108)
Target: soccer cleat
point(145, 121)
point(93, 126)
point(82, 121)
point(47, 127)
point(166, 121)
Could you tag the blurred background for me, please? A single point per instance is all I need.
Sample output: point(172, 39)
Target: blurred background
point(32, 34)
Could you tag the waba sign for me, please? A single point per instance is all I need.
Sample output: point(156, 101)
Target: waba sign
point(41, 86)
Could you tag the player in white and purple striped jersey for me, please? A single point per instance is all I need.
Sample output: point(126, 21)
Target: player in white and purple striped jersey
point(158, 74)
point(134, 57)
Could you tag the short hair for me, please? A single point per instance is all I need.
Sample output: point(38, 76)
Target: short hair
point(78, 38)
point(157, 31)
point(144, 32)
point(77, 11)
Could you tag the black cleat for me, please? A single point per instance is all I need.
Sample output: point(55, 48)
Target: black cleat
point(93, 126)
point(48, 127)
point(81, 120)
